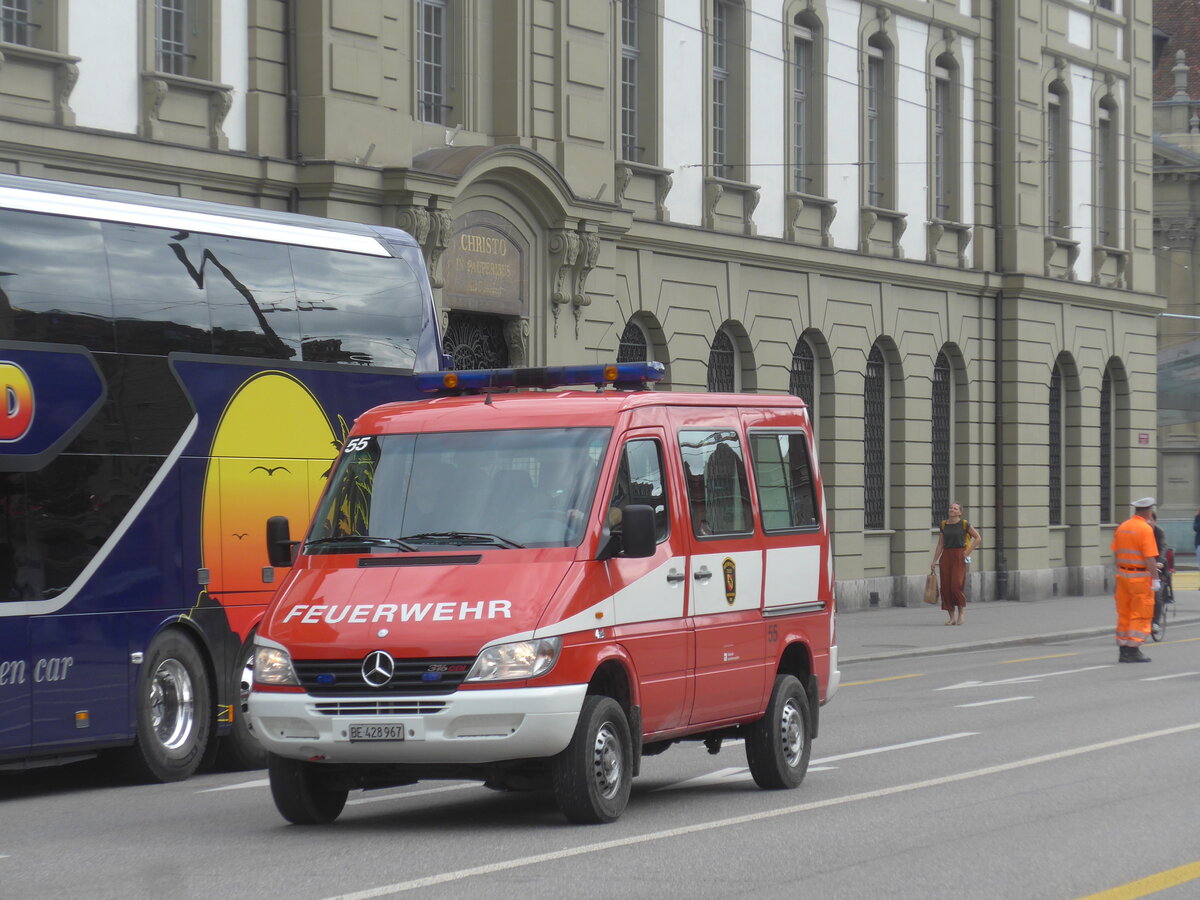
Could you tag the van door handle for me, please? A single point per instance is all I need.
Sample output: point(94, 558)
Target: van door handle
point(702, 574)
point(674, 577)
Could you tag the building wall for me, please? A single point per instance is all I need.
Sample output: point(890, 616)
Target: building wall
point(312, 106)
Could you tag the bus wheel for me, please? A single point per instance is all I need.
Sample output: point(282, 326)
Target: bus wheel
point(304, 792)
point(593, 776)
point(778, 745)
point(174, 711)
point(240, 749)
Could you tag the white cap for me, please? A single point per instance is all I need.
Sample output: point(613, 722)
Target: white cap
point(1144, 503)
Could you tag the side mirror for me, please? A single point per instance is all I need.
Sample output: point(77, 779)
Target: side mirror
point(280, 546)
point(635, 536)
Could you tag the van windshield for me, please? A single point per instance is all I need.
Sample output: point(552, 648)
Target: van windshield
point(484, 489)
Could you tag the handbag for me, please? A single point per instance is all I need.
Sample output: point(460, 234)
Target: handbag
point(931, 589)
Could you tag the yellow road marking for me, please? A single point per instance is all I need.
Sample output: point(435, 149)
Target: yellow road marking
point(878, 680)
point(1181, 641)
point(1151, 884)
point(1035, 658)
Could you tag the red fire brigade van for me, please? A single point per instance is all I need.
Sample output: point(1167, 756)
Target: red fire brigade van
point(538, 589)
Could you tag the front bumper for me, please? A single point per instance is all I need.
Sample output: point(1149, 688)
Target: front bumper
point(464, 727)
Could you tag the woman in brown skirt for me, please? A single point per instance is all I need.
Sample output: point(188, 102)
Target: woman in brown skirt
point(956, 539)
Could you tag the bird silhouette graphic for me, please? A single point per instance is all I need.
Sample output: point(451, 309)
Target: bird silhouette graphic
point(272, 469)
point(240, 536)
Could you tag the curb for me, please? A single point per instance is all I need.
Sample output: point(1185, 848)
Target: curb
point(1023, 640)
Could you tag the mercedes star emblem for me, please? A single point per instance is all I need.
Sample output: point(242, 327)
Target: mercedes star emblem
point(378, 668)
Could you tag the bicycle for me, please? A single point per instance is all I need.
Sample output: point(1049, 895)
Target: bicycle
point(1164, 597)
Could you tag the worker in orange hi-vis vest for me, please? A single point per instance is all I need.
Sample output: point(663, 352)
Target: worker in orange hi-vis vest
point(1135, 554)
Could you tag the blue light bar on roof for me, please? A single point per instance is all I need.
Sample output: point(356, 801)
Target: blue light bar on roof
point(627, 376)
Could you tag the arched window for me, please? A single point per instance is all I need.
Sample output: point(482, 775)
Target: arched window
point(942, 460)
point(1106, 447)
point(807, 106)
point(634, 346)
point(722, 364)
point(801, 383)
point(1056, 446)
point(879, 125)
point(875, 441)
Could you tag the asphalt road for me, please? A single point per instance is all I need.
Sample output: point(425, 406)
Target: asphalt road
point(1037, 772)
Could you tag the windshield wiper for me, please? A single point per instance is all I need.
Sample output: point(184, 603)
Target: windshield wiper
point(462, 537)
point(397, 543)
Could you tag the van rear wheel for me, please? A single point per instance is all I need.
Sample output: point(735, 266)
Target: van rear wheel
point(305, 793)
point(594, 775)
point(778, 745)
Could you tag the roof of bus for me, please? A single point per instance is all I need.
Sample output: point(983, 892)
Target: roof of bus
point(136, 202)
point(547, 409)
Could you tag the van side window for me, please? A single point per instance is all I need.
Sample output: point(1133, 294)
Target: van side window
point(640, 480)
point(783, 473)
point(718, 495)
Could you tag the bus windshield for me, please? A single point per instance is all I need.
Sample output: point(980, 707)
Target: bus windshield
point(488, 489)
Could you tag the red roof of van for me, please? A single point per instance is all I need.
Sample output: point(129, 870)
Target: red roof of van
point(545, 409)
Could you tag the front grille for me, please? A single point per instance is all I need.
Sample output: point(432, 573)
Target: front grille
point(411, 676)
point(380, 707)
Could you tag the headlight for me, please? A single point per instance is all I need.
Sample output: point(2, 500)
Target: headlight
point(509, 662)
point(273, 665)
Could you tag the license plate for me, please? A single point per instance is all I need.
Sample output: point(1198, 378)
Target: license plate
point(375, 732)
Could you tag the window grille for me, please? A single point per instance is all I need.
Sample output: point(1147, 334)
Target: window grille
point(801, 81)
point(941, 438)
point(633, 347)
point(720, 90)
point(15, 24)
point(630, 59)
point(432, 38)
point(171, 45)
point(721, 359)
point(801, 383)
point(476, 341)
point(875, 428)
point(1056, 446)
point(1106, 448)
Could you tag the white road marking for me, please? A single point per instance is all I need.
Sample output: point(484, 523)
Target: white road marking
point(904, 746)
point(1176, 675)
point(733, 821)
point(1021, 679)
point(404, 795)
point(256, 783)
point(990, 702)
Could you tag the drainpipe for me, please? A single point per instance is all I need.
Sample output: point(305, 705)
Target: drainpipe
point(1002, 217)
point(292, 98)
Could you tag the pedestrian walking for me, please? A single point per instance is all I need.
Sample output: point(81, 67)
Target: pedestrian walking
point(956, 539)
point(1135, 555)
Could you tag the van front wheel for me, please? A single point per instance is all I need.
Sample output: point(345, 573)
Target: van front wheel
point(778, 745)
point(304, 792)
point(593, 776)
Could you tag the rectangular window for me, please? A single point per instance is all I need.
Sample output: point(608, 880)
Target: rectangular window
point(640, 480)
point(801, 80)
point(718, 492)
point(171, 43)
point(720, 90)
point(875, 86)
point(630, 58)
point(16, 26)
point(432, 44)
point(941, 112)
point(786, 493)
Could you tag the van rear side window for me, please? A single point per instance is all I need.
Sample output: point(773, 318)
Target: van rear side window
point(783, 474)
point(718, 494)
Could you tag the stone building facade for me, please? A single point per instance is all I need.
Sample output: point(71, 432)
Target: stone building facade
point(931, 218)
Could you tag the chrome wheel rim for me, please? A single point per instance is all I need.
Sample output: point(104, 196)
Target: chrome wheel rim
point(791, 733)
point(607, 762)
point(247, 682)
point(172, 704)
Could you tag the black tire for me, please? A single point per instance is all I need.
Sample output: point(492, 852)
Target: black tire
point(1158, 624)
point(305, 793)
point(593, 777)
point(174, 711)
point(778, 745)
point(240, 749)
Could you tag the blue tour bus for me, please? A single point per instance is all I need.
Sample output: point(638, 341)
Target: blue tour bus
point(173, 372)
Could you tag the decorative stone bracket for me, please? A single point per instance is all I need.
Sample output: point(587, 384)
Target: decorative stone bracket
point(1109, 265)
point(431, 228)
point(939, 231)
point(1056, 249)
point(806, 210)
point(627, 171)
point(60, 67)
point(891, 223)
point(716, 188)
point(159, 87)
point(573, 255)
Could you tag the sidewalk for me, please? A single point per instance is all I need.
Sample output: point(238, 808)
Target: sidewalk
point(899, 631)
